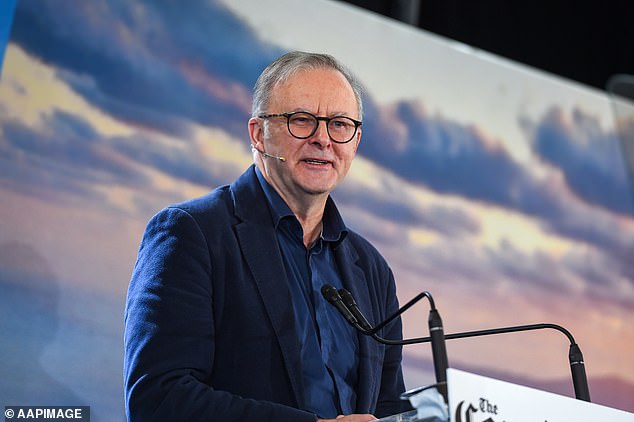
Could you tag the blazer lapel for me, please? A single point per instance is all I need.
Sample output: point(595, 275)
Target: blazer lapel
point(369, 357)
point(258, 242)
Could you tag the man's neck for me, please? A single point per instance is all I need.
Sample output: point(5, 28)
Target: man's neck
point(308, 208)
point(310, 215)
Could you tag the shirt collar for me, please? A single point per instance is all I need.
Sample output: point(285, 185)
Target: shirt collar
point(334, 228)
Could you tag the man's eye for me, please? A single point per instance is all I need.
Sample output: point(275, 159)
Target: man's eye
point(339, 124)
point(301, 120)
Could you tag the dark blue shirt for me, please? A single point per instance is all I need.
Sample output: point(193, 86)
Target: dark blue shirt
point(328, 344)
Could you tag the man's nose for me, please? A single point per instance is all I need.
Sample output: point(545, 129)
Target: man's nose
point(321, 135)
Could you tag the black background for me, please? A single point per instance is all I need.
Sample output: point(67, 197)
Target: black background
point(586, 41)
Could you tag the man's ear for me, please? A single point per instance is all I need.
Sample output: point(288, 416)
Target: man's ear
point(256, 132)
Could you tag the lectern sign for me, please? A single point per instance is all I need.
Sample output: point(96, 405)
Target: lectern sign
point(474, 398)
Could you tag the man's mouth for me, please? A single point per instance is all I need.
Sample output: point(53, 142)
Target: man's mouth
point(315, 161)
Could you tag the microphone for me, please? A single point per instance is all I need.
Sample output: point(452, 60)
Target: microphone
point(352, 306)
point(266, 154)
point(332, 296)
point(575, 357)
point(438, 349)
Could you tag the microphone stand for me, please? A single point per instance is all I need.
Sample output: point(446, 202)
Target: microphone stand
point(575, 357)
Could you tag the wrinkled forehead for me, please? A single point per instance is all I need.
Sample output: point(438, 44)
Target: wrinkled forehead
point(315, 86)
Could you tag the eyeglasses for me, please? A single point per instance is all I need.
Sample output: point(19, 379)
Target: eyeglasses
point(302, 125)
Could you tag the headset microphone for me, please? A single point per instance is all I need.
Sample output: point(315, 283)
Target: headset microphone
point(266, 154)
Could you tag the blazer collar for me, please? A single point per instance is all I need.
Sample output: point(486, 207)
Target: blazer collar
point(256, 234)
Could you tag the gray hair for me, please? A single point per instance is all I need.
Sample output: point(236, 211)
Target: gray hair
point(288, 65)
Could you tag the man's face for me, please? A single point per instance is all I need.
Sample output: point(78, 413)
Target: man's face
point(313, 166)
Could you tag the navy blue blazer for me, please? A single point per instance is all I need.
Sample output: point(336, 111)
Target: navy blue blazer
point(209, 326)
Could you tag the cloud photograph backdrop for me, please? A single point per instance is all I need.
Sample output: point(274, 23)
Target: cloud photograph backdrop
point(500, 189)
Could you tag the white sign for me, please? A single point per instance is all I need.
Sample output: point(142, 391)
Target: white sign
point(474, 398)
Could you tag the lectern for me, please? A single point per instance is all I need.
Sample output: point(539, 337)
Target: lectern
point(475, 398)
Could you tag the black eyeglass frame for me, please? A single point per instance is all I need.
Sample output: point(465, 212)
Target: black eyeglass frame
point(288, 116)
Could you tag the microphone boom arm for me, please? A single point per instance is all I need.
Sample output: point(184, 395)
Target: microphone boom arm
point(405, 308)
point(575, 357)
point(346, 305)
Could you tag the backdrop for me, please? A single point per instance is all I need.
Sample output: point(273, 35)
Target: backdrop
point(498, 188)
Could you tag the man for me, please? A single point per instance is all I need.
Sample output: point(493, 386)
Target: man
point(224, 317)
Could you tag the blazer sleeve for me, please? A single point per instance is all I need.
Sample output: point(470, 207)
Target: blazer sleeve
point(169, 337)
